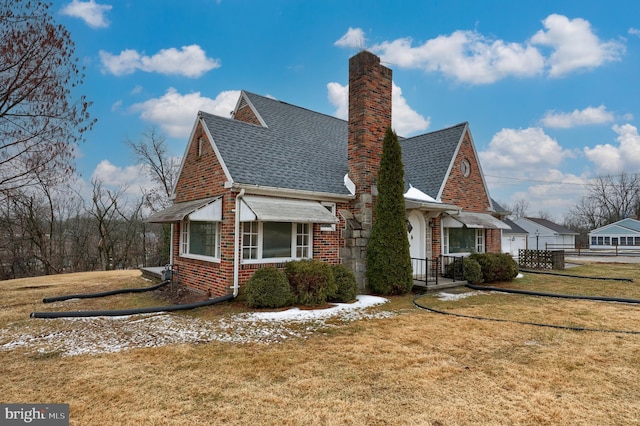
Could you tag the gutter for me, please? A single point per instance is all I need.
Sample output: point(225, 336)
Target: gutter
point(236, 245)
point(287, 192)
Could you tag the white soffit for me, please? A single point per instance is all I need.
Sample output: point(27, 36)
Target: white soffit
point(268, 209)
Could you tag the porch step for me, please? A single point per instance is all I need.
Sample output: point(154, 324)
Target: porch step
point(442, 284)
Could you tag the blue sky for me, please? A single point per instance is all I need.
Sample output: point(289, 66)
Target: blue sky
point(550, 89)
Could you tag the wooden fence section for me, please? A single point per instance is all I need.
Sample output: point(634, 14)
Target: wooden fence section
point(541, 259)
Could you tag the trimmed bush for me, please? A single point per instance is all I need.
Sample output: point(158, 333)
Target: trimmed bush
point(454, 269)
point(472, 271)
point(496, 266)
point(346, 285)
point(268, 288)
point(311, 281)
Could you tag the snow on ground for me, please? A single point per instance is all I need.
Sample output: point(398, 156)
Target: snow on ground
point(77, 336)
point(457, 296)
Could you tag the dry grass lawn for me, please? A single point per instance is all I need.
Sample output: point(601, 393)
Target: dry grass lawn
point(413, 368)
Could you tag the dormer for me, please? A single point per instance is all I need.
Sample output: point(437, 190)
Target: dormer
point(246, 111)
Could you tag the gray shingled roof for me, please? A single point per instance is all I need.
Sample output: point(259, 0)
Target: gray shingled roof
point(515, 228)
point(427, 158)
point(306, 150)
point(498, 208)
point(553, 226)
point(299, 149)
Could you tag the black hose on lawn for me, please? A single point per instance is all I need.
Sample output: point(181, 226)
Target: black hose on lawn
point(537, 324)
point(561, 296)
point(104, 293)
point(533, 271)
point(123, 312)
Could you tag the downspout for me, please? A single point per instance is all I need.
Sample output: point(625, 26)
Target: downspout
point(236, 245)
point(171, 246)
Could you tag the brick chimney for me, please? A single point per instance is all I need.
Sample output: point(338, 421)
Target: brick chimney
point(369, 117)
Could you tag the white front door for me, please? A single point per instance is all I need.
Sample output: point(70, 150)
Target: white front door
point(416, 235)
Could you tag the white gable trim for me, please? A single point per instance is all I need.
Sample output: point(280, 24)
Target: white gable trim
point(451, 162)
point(200, 121)
point(184, 156)
point(216, 151)
point(245, 99)
point(453, 159)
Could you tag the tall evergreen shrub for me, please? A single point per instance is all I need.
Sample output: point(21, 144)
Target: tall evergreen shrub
point(388, 258)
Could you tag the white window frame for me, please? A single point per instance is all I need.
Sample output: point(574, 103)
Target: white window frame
point(480, 242)
point(332, 208)
point(259, 226)
point(185, 235)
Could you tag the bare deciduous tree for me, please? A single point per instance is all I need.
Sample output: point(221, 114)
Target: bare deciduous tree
point(610, 198)
point(151, 151)
point(518, 209)
point(40, 122)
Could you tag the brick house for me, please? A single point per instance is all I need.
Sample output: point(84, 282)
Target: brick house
point(277, 182)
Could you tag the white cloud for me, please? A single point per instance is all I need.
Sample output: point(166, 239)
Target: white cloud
point(175, 112)
point(471, 57)
point(405, 121)
point(189, 61)
point(339, 97)
point(90, 12)
point(354, 37)
point(523, 152)
point(634, 31)
point(132, 177)
point(467, 56)
point(611, 159)
point(587, 116)
point(575, 45)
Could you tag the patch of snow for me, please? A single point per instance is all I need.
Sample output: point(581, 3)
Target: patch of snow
point(78, 336)
point(296, 314)
point(457, 296)
point(415, 194)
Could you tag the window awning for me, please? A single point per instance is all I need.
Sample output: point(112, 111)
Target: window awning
point(268, 209)
point(206, 210)
point(474, 220)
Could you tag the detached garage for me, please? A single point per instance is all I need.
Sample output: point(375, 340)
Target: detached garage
point(513, 239)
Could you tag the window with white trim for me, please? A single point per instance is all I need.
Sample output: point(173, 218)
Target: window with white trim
point(463, 240)
point(479, 240)
point(250, 240)
point(271, 241)
point(200, 240)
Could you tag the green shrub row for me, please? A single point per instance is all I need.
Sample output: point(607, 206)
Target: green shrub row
point(489, 268)
point(307, 282)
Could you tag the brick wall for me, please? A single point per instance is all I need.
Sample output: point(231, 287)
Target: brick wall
point(469, 192)
point(246, 114)
point(466, 192)
point(202, 175)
